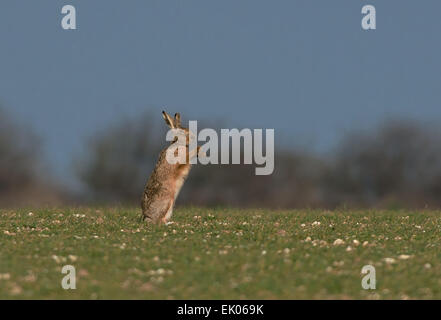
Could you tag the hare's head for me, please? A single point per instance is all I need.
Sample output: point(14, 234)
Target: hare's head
point(176, 124)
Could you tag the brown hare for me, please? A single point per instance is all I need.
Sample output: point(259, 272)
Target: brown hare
point(166, 180)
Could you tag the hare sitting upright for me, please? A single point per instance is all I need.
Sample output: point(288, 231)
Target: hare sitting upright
point(167, 179)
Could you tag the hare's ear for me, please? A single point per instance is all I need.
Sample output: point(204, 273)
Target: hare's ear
point(168, 120)
point(177, 120)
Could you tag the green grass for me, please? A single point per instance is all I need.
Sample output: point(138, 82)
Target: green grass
point(219, 254)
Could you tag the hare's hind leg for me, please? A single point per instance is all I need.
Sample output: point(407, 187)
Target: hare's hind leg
point(169, 212)
point(157, 211)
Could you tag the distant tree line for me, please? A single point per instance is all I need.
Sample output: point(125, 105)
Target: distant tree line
point(24, 180)
point(397, 164)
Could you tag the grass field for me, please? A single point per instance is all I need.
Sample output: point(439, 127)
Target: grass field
point(220, 254)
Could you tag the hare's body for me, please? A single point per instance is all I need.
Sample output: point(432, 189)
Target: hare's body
point(162, 189)
point(165, 182)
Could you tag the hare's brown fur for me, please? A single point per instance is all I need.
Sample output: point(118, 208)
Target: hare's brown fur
point(165, 182)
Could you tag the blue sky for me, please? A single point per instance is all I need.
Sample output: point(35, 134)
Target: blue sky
point(305, 68)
